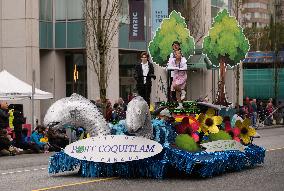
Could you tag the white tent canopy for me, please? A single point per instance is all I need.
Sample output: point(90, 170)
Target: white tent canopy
point(14, 88)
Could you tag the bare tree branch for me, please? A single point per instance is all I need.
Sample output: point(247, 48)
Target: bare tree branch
point(101, 26)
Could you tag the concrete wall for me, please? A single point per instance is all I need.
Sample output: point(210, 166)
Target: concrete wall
point(52, 76)
point(113, 83)
point(19, 44)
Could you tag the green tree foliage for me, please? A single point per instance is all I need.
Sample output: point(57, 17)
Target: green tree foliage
point(225, 39)
point(172, 29)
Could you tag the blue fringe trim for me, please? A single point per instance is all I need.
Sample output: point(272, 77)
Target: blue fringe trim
point(152, 167)
point(61, 162)
point(201, 163)
point(164, 132)
point(208, 164)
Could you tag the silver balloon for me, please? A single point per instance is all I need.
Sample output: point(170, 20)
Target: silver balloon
point(138, 118)
point(77, 111)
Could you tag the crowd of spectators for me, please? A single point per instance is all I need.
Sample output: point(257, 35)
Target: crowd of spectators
point(14, 139)
point(261, 112)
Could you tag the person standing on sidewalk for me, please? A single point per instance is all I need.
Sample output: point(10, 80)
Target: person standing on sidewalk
point(261, 111)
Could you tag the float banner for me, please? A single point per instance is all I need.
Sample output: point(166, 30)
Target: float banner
point(136, 15)
point(159, 12)
point(223, 145)
point(113, 148)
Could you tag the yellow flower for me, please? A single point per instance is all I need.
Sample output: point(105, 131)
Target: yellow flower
point(246, 130)
point(151, 108)
point(209, 121)
point(210, 112)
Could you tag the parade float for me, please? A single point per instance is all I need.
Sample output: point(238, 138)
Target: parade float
point(191, 141)
point(141, 147)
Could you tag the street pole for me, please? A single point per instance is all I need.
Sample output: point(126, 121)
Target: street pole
point(33, 92)
point(276, 71)
point(148, 29)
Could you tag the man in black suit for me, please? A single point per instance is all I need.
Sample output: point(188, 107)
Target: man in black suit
point(144, 71)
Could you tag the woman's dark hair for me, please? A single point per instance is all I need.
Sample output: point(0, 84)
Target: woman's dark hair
point(144, 54)
point(176, 42)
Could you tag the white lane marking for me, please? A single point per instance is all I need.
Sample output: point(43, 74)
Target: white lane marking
point(22, 171)
point(275, 149)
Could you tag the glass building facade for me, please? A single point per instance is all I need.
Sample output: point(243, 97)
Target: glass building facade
point(46, 24)
point(62, 28)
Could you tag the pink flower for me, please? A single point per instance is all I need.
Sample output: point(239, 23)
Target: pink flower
point(189, 125)
point(234, 132)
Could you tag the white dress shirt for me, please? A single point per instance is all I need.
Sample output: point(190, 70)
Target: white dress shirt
point(145, 68)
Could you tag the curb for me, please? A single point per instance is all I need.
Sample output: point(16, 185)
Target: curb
point(270, 127)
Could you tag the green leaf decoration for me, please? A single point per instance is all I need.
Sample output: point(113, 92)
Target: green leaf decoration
point(221, 135)
point(225, 38)
point(172, 29)
point(186, 142)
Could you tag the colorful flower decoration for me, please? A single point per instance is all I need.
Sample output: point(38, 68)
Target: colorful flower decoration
point(234, 132)
point(245, 130)
point(189, 125)
point(209, 121)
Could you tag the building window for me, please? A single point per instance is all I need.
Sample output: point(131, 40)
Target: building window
point(127, 62)
point(255, 5)
point(69, 26)
point(45, 34)
point(45, 24)
point(60, 10)
point(76, 74)
point(75, 10)
point(75, 29)
point(45, 13)
point(60, 35)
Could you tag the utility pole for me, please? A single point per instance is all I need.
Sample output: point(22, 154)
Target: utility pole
point(276, 67)
point(33, 100)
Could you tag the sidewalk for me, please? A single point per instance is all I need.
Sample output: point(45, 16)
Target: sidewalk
point(269, 127)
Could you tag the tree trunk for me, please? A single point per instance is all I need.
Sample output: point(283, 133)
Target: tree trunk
point(102, 61)
point(221, 94)
point(238, 85)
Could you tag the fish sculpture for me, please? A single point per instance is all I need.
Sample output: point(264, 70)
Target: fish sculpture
point(79, 112)
point(138, 118)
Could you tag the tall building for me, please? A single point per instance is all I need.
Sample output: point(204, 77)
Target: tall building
point(281, 11)
point(19, 43)
point(256, 13)
point(277, 10)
